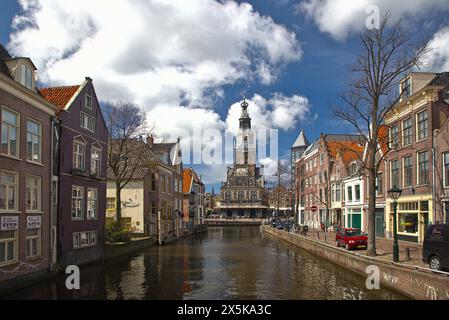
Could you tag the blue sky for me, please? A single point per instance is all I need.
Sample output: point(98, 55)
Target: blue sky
point(320, 73)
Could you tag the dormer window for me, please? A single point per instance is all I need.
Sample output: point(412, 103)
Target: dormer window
point(406, 88)
point(26, 77)
point(88, 102)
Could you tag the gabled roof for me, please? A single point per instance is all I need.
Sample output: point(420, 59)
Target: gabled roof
point(4, 55)
point(141, 155)
point(60, 96)
point(301, 141)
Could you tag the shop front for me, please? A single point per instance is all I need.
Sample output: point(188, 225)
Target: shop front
point(413, 217)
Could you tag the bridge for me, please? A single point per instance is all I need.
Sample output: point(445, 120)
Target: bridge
point(234, 221)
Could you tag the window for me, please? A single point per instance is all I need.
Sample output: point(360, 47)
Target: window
point(153, 182)
point(77, 202)
point(423, 125)
point(408, 171)
point(8, 247)
point(349, 194)
point(79, 154)
point(88, 102)
point(408, 222)
point(92, 203)
point(169, 184)
point(95, 161)
point(423, 167)
point(8, 191)
point(87, 122)
point(407, 132)
point(446, 169)
point(357, 192)
point(253, 195)
point(321, 159)
point(33, 243)
point(241, 195)
point(34, 138)
point(163, 184)
point(10, 133)
point(406, 88)
point(379, 184)
point(337, 193)
point(33, 193)
point(110, 204)
point(26, 77)
point(84, 239)
point(394, 136)
point(394, 169)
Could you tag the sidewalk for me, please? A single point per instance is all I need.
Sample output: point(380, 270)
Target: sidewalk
point(384, 247)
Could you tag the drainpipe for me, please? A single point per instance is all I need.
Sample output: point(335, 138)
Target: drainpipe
point(433, 181)
point(53, 193)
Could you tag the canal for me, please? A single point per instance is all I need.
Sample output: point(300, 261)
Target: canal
point(225, 263)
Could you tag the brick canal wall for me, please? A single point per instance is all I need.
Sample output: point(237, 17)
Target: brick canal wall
point(416, 283)
point(113, 250)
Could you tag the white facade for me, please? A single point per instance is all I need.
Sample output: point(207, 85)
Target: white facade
point(354, 195)
point(132, 203)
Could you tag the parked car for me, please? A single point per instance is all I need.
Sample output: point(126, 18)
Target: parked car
point(351, 238)
point(436, 246)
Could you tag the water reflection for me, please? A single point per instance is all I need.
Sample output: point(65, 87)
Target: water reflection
point(226, 263)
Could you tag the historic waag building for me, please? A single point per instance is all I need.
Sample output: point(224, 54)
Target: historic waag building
point(243, 193)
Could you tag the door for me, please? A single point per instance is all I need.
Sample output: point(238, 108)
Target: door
point(380, 223)
point(357, 221)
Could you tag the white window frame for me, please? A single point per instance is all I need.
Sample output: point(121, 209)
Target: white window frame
point(391, 173)
point(95, 163)
point(38, 190)
point(445, 177)
point(16, 191)
point(15, 247)
point(9, 125)
point(404, 144)
point(77, 163)
point(23, 78)
point(89, 200)
point(38, 244)
point(77, 205)
point(404, 171)
point(418, 171)
point(417, 126)
point(30, 158)
point(87, 122)
point(91, 240)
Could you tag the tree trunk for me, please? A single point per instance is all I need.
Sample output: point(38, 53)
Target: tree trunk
point(118, 204)
point(372, 174)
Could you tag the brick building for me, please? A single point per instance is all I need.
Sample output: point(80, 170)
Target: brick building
point(312, 177)
point(422, 110)
point(26, 192)
point(441, 172)
point(80, 172)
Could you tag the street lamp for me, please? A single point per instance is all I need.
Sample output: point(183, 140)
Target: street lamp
point(394, 194)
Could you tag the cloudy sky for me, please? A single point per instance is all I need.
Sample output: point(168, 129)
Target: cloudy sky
point(188, 63)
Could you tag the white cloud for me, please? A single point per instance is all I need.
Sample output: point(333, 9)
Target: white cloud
point(172, 57)
point(277, 112)
point(342, 17)
point(439, 51)
point(152, 51)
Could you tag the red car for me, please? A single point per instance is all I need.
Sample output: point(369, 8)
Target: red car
point(351, 238)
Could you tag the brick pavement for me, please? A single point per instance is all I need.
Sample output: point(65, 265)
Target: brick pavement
point(384, 247)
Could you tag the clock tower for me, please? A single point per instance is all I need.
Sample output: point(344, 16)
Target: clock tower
point(246, 145)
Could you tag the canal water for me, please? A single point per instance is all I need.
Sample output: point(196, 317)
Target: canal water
point(225, 263)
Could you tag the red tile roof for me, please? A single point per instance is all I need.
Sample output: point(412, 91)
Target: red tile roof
point(349, 151)
point(59, 96)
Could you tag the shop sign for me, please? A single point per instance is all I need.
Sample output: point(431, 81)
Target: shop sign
point(9, 223)
point(33, 222)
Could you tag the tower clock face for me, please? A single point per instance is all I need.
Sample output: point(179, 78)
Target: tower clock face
point(241, 171)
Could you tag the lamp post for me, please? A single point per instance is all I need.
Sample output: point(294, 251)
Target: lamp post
point(395, 193)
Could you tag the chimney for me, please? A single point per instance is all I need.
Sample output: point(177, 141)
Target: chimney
point(150, 140)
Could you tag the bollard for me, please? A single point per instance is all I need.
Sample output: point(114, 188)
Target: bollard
point(407, 253)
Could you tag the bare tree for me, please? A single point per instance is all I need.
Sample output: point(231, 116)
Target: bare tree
point(126, 122)
point(387, 55)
